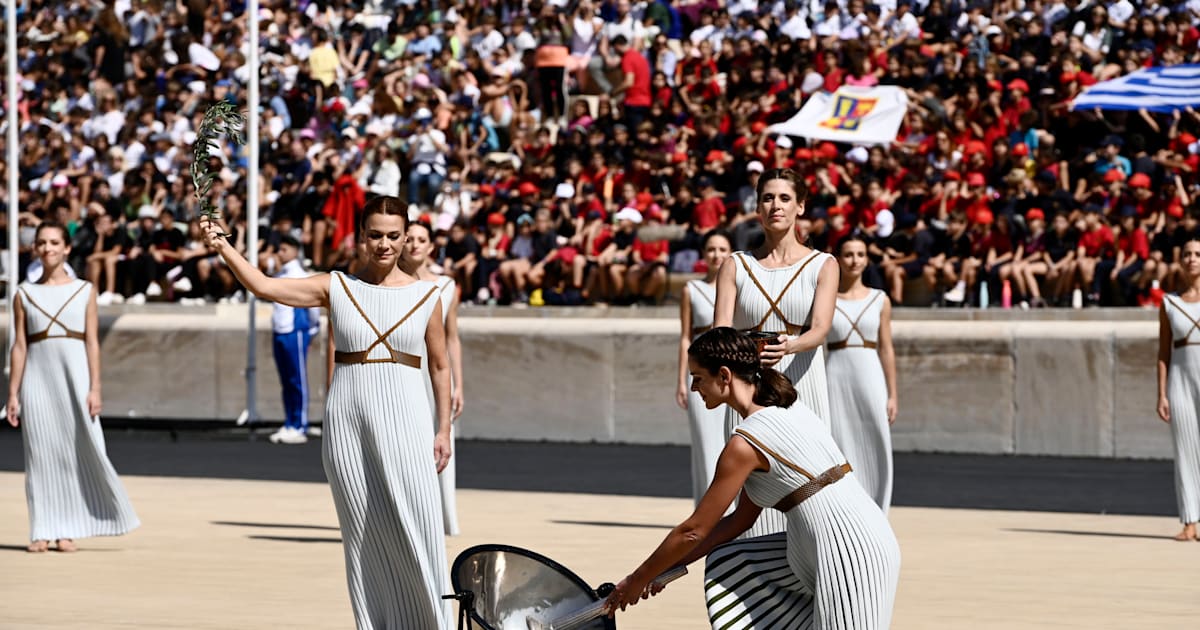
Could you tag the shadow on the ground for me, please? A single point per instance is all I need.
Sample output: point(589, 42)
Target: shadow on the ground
point(1068, 532)
point(297, 539)
point(274, 525)
point(613, 524)
point(928, 480)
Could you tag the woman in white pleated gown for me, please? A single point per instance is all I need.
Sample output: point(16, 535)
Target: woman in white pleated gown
point(54, 395)
point(696, 317)
point(861, 366)
point(837, 564)
point(415, 262)
point(380, 451)
point(785, 288)
point(1179, 385)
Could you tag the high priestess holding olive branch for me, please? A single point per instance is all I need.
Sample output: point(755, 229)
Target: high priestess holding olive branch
point(387, 328)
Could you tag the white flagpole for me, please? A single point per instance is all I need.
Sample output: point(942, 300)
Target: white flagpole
point(13, 137)
point(252, 209)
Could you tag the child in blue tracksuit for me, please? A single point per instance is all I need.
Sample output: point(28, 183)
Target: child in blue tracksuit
point(293, 329)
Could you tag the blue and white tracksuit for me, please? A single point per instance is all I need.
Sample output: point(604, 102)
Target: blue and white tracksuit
point(294, 329)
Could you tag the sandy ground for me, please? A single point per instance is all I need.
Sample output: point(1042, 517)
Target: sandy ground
point(257, 554)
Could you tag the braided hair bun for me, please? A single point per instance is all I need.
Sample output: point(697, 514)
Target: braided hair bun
point(738, 351)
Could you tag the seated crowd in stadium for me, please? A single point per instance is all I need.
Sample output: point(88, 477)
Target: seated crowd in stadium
point(576, 152)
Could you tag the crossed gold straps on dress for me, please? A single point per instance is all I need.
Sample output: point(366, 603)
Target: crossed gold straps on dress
point(814, 484)
point(394, 355)
point(1185, 341)
point(45, 334)
point(773, 303)
point(845, 343)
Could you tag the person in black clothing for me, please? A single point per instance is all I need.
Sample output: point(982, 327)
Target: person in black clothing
point(108, 244)
point(1162, 250)
point(907, 253)
point(462, 256)
point(1061, 243)
point(954, 248)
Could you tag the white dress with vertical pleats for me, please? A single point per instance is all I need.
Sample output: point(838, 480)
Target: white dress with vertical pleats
point(378, 456)
point(1183, 394)
point(780, 300)
point(858, 394)
point(836, 566)
point(71, 487)
point(707, 425)
point(446, 479)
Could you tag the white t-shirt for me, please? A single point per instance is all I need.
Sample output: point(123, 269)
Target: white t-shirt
point(796, 28)
point(427, 154)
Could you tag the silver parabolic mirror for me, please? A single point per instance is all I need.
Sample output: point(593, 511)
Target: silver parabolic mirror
point(511, 585)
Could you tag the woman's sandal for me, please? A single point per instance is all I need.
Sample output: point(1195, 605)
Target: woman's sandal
point(38, 546)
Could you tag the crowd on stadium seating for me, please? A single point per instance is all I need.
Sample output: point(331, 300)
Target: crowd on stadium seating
point(571, 152)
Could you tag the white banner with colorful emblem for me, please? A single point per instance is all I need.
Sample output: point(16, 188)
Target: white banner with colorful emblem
point(853, 115)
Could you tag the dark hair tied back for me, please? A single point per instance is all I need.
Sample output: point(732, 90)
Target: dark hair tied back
point(726, 347)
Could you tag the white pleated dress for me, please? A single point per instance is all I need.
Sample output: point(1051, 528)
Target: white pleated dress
point(707, 425)
point(780, 300)
point(71, 487)
point(1183, 394)
point(837, 565)
point(378, 456)
point(446, 479)
point(858, 394)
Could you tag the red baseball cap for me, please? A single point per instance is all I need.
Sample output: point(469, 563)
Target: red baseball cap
point(496, 218)
point(976, 179)
point(487, 189)
point(828, 150)
point(1035, 214)
point(527, 188)
point(1018, 84)
point(1114, 175)
point(804, 153)
point(1175, 209)
point(716, 155)
point(975, 146)
point(1021, 149)
point(1139, 180)
point(984, 217)
point(952, 176)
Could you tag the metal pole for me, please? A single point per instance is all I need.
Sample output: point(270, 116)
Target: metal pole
point(252, 211)
point(11, 140)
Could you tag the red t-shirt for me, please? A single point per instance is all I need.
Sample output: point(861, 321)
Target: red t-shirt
point(650, 251)
point(634, 63)
point(708, 214)
point(1098, 242)
point(1135, 244)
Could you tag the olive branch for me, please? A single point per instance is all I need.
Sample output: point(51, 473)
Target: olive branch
point(223, 118)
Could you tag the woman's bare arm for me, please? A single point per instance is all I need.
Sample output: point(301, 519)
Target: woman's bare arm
point(309, 292)
point(887, 357)
point(16, 361)
point(726, 294)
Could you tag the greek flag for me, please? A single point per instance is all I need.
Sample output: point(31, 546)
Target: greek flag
point(1161, 90)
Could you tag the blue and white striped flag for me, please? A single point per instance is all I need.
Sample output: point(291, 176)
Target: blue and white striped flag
point(1161, 90)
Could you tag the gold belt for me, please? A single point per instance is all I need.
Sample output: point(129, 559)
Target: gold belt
point(803, 493)
point(45, 334)
point(354, 358)
point(843, 344)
